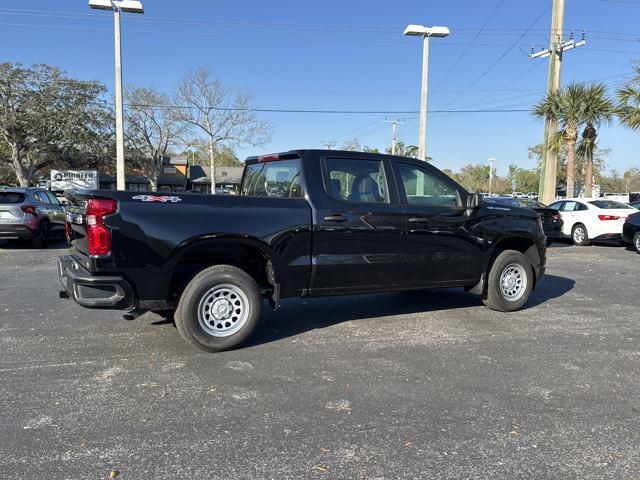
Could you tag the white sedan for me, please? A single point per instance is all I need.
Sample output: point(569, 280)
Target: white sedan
point(587, 219)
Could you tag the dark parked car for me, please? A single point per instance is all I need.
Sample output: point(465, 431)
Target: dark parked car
point(551, 219)
point(306, 223)
point(631, 231)
point(30, 214)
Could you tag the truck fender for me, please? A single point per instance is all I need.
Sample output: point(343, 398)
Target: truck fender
point(217, 241)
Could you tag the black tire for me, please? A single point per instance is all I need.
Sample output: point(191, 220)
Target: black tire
point(204, 333)
point(39, 240)
point(636, 242)
point(585, 235)
point(518, 266)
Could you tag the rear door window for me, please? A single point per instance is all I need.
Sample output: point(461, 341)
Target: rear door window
point(41, 197)
point(53, 199)
point(279, 179)
point(356, 180)
point(9, 198)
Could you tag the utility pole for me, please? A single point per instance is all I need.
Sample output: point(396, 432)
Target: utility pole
point(491, 160)
point(394, 136)
point(548, 170)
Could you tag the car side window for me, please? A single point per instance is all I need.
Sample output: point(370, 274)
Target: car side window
point(273, 179)
point(570, 207)
point(354, 180)
point(54, 200)
point(581, 206)
point(422, 187)
point(557, 205)
point(41, 197)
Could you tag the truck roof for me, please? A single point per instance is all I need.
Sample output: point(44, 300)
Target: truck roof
point(298, 153)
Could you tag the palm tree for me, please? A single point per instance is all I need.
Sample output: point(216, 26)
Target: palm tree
point(597, 109)
point(565, 106)
point(629, 102)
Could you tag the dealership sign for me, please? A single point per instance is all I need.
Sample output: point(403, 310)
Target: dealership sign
point(74, 179)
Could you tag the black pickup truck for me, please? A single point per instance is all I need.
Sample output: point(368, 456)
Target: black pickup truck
point(306, 223)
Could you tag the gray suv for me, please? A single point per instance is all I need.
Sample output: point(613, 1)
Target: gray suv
point(31, 214)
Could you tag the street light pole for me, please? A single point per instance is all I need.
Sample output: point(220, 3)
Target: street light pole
point(425, 33)
point(118, 6)
point(491, 160)
point(120, 175)
point(422, 142)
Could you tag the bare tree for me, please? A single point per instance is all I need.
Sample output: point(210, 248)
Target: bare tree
point(220, 113)
point(153, 128)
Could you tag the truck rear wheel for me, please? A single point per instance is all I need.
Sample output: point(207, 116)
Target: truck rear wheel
point(510, 282)
point(219, 308)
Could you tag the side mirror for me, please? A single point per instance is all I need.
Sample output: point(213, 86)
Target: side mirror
point(474, 200)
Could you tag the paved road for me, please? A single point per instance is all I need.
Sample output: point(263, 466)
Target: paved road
point(401, 385)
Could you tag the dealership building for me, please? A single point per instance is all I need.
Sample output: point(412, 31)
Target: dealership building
point(176, 176)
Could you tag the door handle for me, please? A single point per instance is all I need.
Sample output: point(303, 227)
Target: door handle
point(335, 217)
point(417, 219)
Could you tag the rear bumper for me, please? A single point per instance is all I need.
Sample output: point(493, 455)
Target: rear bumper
point(10, 231)
point(93, 291)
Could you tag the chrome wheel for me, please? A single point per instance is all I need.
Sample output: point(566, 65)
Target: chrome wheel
point(513, 282)
point(579, 235)
point(223, 310)
point(637, 243)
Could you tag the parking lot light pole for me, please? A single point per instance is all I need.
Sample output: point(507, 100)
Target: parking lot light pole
point(425, 33)
point(129, 6)
point(491, 160)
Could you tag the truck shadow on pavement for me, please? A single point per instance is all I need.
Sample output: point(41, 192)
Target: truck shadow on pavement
point(53, 244)
point(297, 316)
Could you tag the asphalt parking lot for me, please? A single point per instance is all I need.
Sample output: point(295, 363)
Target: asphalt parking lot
point(402, 385)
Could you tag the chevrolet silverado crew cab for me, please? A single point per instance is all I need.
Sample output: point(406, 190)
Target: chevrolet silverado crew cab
point(306, 223)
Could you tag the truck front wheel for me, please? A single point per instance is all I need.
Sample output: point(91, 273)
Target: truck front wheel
point(219, 308)
point(510, 282)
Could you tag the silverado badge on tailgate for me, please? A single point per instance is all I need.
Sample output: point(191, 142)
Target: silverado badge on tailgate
point(158, 198)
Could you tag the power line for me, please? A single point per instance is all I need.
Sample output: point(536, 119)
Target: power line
point(349, 112)
point(504, 54)
point(483, 30)
point(464, 52)
point(357, 130)
point(314, 39)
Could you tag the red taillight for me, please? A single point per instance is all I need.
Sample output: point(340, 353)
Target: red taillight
point(66, 230)
point(29, 209)
point(272, 157)
point(604, 218)
point(98, 235)
point(556, 216)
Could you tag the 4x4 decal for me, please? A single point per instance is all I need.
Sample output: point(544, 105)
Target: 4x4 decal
point(158, 198)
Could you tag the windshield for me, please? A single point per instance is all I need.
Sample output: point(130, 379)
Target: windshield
point(609, 205)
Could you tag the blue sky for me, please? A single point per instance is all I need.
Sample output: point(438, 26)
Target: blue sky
point(350, 55)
